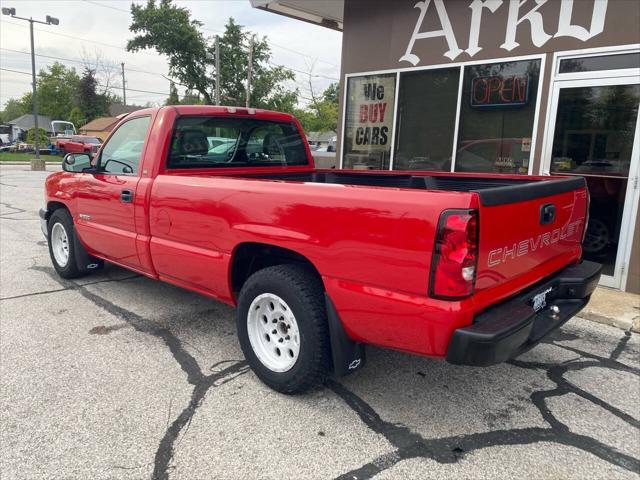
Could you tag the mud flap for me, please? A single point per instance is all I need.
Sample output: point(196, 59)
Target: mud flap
point(348, 356)
point(84, 261)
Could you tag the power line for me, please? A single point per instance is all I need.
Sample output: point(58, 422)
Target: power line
point(82, 62)
point(77, 38)
point(40, 55)
point(160, 74)
point(134, 97)
point(297, 84)
point(303, 54)
point(108, 6)
point(221, 32)
point(98, 84)
point(143, 53)
point(273, 44)
point(312, 75)
point(14, 71)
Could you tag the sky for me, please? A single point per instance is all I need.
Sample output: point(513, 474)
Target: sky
point(90, 29)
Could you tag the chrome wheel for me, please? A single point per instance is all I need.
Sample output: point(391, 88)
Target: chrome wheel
point(273, 332)
point(60, 244)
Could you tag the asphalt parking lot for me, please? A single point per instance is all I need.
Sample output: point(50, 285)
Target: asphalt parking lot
point(118, 376)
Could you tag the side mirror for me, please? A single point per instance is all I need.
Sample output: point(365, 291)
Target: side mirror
point(76, 162)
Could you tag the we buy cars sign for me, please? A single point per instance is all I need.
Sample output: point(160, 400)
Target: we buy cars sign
point(374, 96)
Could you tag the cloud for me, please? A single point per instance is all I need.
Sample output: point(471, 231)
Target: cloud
point(102, 27)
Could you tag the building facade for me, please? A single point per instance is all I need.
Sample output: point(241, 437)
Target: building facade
point(530, 87)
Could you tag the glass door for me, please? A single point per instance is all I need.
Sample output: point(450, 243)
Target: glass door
point(595, 135)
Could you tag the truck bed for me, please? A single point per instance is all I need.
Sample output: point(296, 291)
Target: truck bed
point(492, 190)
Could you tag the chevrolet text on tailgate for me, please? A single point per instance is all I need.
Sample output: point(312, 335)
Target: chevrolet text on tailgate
point(226, 202)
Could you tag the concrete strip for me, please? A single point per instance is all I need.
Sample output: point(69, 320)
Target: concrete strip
point(615, 308)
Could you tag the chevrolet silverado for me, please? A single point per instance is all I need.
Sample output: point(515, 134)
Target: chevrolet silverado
point(472, 268)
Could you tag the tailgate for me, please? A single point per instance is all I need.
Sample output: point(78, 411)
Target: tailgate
point(528, 232)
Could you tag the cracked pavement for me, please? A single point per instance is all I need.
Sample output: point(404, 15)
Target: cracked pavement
point(117, 376)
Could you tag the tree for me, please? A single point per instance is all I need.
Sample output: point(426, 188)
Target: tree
point(173, 98)
point(90, 103)
point(321, 115)
point(63, 95)
point(42, 138)
point(56, 90)
point(77, 117)
point(191, 98)
point(170, 30)
point(106, 72)
point(13, 108)
point(331, 94)
point(267, 88)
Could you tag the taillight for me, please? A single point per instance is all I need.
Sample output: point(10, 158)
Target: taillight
point(455, 255)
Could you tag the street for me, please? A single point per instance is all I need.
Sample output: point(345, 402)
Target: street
point(117, 376)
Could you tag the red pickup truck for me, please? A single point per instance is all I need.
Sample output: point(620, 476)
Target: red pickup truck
point(78, 144)
point(226, 202)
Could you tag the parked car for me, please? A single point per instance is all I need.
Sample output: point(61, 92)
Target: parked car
point(499, 155)
point(216, 141)
point(475, 269)
point(5, 134)
point(78, 144)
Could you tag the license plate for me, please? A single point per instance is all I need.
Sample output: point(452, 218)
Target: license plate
point(539, 301)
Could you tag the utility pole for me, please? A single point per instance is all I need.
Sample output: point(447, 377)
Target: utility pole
point(34, 97)
point(37, 164)
point(217, 70)
point(124, 89)
point(250, 72)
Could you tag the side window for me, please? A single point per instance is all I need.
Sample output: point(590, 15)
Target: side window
point(122, 153)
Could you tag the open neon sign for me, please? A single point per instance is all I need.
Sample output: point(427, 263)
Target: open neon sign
point(500, 91)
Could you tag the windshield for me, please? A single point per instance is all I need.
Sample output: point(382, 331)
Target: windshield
point(235, 142)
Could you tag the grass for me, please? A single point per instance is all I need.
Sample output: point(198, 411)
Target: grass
point(25, 157)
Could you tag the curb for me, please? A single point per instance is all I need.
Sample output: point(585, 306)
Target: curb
point(26, 163)
point(621, 323)
point(614, 308)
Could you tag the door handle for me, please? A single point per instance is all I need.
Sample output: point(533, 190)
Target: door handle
point(126, 196)
point(547, 213)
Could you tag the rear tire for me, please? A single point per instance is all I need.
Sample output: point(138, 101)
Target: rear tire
point(280, 302)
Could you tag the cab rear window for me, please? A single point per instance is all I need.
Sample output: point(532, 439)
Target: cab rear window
point(222, 142)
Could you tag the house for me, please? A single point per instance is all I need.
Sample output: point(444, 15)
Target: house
point(20, 125)
point(518, 87)
point(117, 109)
point(99, 127)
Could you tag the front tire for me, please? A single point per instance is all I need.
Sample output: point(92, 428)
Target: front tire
point(282, 328)
point(63, 244)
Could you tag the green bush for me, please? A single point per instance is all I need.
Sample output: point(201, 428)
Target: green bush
point(43, 139)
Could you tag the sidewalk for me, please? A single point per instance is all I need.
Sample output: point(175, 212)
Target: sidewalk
point(613, 307)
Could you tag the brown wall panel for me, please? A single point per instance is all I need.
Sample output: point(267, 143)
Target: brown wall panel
point(377, 33)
